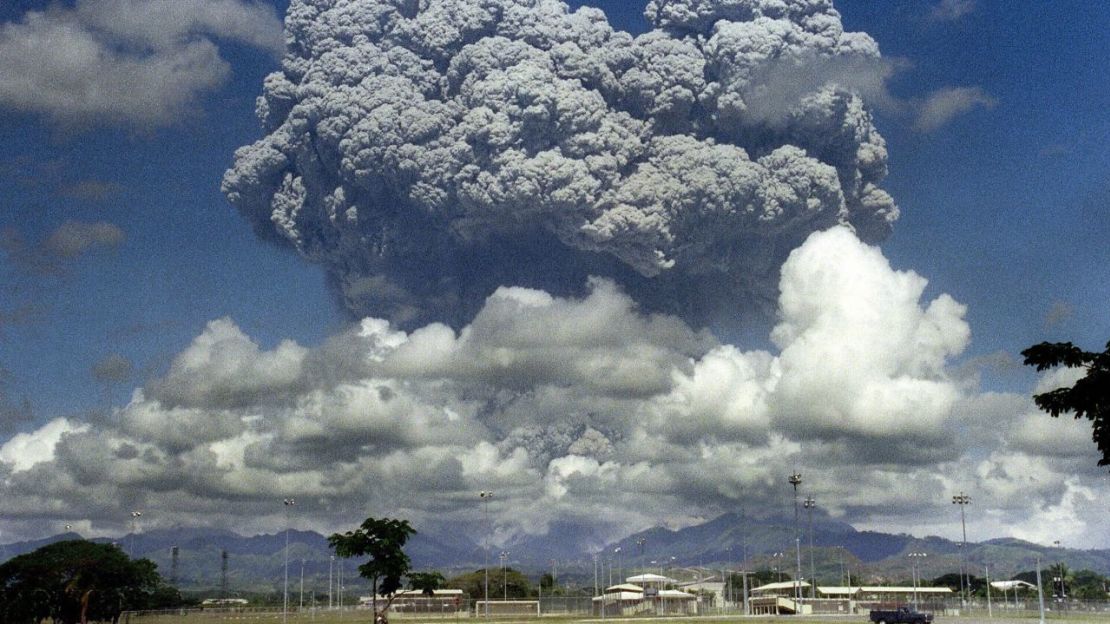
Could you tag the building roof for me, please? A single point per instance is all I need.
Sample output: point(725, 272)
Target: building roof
point(1008, 585)
point(882, 589)
point(674, 593)
point(625, 587)
point(702, 585)
point(667, 594)
point(417, 593)
point(777, 586)
point(649, 578)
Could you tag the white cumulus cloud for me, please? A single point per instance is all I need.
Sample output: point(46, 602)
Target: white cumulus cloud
point(944, 105)
point(132, 62)
point(583, 410)
point(25, 450)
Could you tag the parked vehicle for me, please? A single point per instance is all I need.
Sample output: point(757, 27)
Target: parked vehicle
point(901, 615)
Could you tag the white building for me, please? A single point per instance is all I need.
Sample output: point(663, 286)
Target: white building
point(645, 594)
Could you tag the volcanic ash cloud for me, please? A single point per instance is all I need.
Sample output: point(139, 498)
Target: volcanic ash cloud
point(428, 152)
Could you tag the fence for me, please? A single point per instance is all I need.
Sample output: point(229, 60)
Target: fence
point(582, 606)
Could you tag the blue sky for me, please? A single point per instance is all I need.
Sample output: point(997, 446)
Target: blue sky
point(1004, 198)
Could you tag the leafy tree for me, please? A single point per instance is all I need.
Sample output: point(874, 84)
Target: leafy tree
point(1088, 585)
point(755, 579)
point(1090, 396)
point(426, 582)
point(1030, 576)
point(975, 584)
point(383, 541)
point(73, 581)
point(474, 583)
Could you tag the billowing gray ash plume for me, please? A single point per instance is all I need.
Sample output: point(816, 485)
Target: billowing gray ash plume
point(427, 151)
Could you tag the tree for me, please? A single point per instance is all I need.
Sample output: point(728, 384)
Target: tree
point(755, 579)
point(383, 541)
point(74, 581)
point(426, 582)
point(1088, 585)
point(502, 581)
point(1090, 396)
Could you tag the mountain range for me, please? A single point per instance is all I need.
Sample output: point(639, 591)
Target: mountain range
point(731, 541)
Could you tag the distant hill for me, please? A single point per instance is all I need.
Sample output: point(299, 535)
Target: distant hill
point(256, 563)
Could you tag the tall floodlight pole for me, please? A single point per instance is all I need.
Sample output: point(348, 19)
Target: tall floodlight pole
point(485, 497)
point(729, 594)
point(914, 556)
point(809, 504)
point(1040, 589)
point(288, 502)
point(331, 592)
point(962, 500)
point(1059, 570)
point(504, 575)
point(776, 559)
point(620, 564)
point(135, 515)
point(987, 572)
point(640, 543)
point(796, 480)
point(595, 575)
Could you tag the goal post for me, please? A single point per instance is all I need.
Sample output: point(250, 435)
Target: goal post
point(507, 607)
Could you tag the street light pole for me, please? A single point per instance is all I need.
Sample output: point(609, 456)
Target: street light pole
point(288, 502)
point(809, 504)
point(485, 496)
point(963, 500)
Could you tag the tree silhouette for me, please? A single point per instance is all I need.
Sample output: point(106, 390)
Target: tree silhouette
point(1090, 396)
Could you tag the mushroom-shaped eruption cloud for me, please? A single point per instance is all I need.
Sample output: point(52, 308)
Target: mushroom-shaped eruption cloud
point(428, 151)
